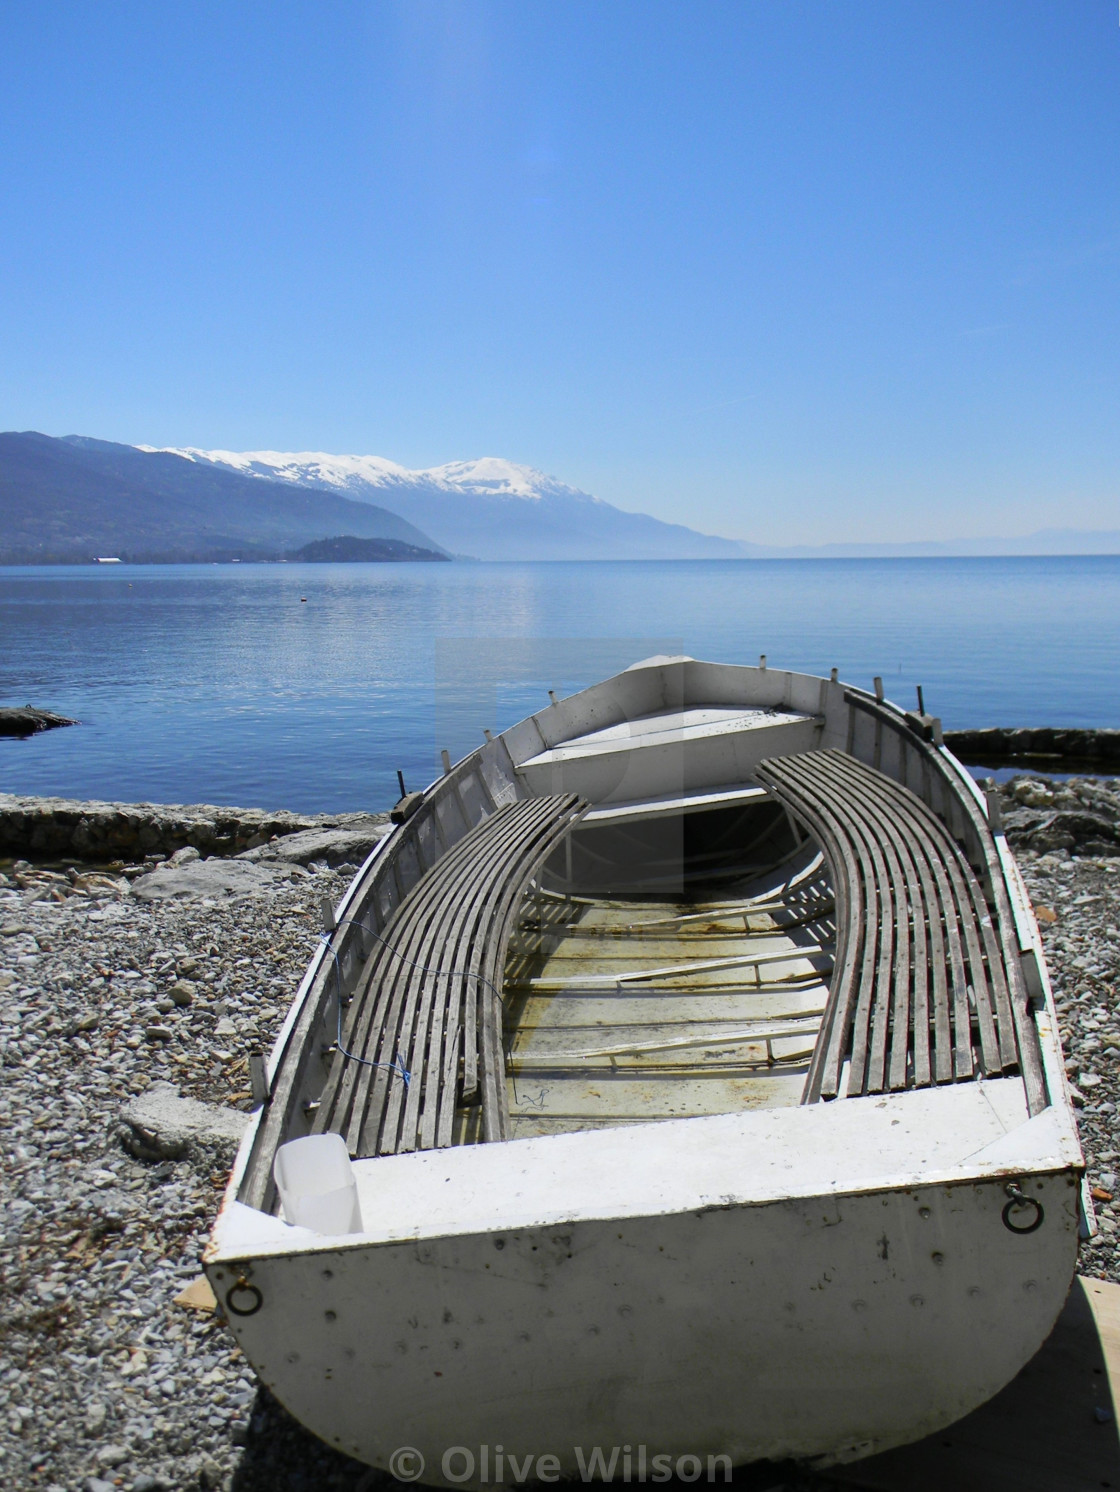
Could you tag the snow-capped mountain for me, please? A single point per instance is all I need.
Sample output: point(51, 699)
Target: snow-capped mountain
point(490, 508)
point(67, 498)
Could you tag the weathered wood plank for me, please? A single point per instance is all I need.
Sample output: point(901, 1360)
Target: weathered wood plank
point(969, 818)
point(880, 863)
point(376, 1007)
point(932, 949)
point(975, 917)
point(823, 1079)
point(422, 980)
point(423, 923)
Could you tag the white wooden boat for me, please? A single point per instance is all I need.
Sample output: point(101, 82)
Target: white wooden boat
point(694, 1053)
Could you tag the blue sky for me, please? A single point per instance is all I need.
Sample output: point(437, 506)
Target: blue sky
point(783, 271)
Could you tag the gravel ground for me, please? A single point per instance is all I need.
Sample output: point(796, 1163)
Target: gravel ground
point(104, 1381)
point(1083, 955)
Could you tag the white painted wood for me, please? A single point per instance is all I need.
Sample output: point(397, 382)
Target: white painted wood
point(791, 953)
point(781, 1246)
point(698, 802)
point(647, 1045)
point(665, 753)
point(549, 1343)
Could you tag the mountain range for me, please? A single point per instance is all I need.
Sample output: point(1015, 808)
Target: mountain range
point(488, 509)
point(495, 509)
point(75, 497)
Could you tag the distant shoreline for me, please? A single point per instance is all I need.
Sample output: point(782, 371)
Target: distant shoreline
point(395, 552)
point(70, 561)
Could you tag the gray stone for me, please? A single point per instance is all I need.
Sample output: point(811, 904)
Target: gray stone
point(182, 992)
point(1033, 794)
point(160, 1125)
point(350, 845)
point(96, 1414)
point(207, 878)
point(125, 1234)
point(184, 856)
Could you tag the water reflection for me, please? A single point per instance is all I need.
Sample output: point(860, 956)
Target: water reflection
point(219, 683)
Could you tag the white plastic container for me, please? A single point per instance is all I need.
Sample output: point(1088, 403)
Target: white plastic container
point(317, 1185)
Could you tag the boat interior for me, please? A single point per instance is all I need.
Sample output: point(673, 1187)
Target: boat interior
point(673, 966)
point(630, 908)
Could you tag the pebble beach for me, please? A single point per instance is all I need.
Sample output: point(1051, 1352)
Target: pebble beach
point(113, 1371)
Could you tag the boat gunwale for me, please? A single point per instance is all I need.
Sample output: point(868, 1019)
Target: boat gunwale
point(1063, 1160)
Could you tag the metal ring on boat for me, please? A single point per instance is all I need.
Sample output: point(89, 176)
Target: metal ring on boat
point(1019, 1200)
point(243, 1287)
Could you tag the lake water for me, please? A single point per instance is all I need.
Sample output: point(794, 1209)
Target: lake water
point(307, 686)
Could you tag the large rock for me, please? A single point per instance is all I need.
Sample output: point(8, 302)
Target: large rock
point(1075, 814)
point(348, 846)
point(160, 1125)
point(1087, 833)
point(26, 720)
point(208, 878)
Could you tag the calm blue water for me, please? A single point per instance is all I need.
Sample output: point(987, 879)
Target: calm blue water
point(219, 684)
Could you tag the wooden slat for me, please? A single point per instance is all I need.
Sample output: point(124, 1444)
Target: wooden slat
point(853, 919)
point(420, 986)
point(488, 896)
point(823, 1078)
point(377, 1001)
point(892, 1002)
point(460, 901)
point(963, 899)
point(448, 941)
point(939, 912)
point(372, 1029)
point(534, 851)
point(930, 950)
point(1026, 1037)
point(876, 959)
point(968, 904)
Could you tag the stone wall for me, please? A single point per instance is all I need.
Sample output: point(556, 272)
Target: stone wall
point(53, 828)
point(1002, 744)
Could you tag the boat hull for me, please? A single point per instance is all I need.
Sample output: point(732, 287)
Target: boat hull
point(822, 1328)
point(639, 1294)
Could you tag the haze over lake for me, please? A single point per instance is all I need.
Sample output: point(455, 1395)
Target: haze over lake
point(220, 684)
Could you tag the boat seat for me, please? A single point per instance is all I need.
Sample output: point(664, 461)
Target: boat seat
point(926, 979)
point(423, 1032)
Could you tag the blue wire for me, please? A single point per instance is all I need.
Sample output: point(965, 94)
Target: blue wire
point(397, 1066)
